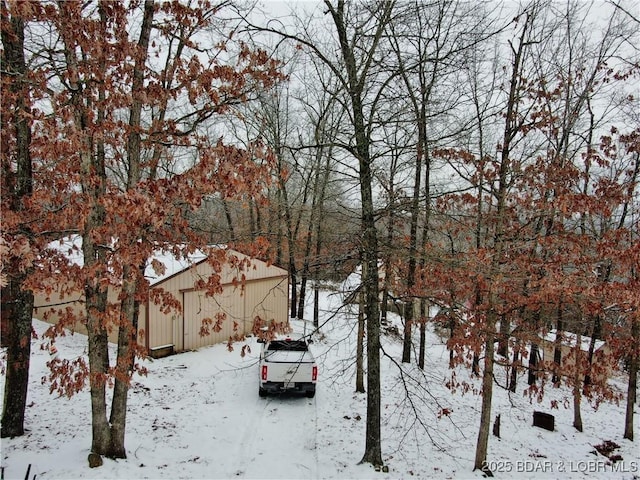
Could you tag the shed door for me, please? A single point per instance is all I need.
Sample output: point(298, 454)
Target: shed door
point(198, 306)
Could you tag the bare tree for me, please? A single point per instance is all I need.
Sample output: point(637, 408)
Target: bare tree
point(359, 30)
point(17, 186)
point(429, 41)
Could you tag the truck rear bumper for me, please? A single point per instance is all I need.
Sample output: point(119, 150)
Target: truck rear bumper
point(277, 387)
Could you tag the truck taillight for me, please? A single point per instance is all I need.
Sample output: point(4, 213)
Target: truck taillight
point(264, 373)
point(314, 373)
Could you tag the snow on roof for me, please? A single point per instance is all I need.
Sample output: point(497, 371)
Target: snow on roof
point(172, 265)
point(569, 339)
point(71, 247)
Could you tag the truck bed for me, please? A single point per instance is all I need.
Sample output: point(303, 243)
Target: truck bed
point(287, 365)
point(286, 356)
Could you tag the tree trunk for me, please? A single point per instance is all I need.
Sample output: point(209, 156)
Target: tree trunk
point(513, 381)
point(318, 234)
point(533, 364)
point(373, 447)
point(98, 353)
point(227, 214)
point(557, 350)
point(373, 444)
point(475, 364)
point(124, 367)
point(498, 246)
point(303, 293)
point(485, 412)
point(577, 395)
point(127, 333)
point(360, 345)
point(595, 333)
point(408, 326)
point(316, 288)
point(634, 359)
point(424, 310)
point(452, 326)
point(17, 302)
point(355, 83)
point(384, 304)
point(129, 306)
point(19, 310)
point(93, 181)
point(294, 288)
point(389, 255)
point(386, 284)
point(634, 356)
point(282, 188)
point(316, 305)
point(503, 342)
point(511, 129)
point(423, 333)
point(254, 229)
point(419, 100)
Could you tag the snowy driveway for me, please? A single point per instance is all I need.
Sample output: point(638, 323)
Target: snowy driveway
point(239, 434)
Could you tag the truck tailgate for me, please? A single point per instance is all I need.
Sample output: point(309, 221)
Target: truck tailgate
point(289, 367)
point(287, 356)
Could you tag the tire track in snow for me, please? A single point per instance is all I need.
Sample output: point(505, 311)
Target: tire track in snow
point(245, 452)
point(315, 439)
point(280, 440)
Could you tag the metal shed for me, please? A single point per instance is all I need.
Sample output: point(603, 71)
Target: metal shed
point(263, 293)
point(262, 290)
point(603, 362)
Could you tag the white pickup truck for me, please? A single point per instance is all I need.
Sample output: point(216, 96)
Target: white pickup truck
point(287, 365)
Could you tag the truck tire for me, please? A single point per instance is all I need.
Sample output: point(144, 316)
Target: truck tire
point(311, 393)
point(262, 392)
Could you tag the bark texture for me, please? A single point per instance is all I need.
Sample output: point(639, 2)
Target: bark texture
point(17, 302)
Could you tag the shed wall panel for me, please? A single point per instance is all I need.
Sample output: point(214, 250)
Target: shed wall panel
point(47, 306)
point(268, 299)
point(198, 306)
point(161, 330)
point(264, 294)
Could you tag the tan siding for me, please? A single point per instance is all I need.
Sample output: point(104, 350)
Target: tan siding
point(257, 270)
point(568, 359)
point(264, 294)
point(43, 306)
point(268, 299)
point(161, 331)
point(199, 306)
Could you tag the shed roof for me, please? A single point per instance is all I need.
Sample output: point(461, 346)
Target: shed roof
point(71, 247)
point(569, 339)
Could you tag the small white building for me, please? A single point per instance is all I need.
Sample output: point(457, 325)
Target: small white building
point(602, 364)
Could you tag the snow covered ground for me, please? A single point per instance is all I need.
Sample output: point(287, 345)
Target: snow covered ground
point(198, 415)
